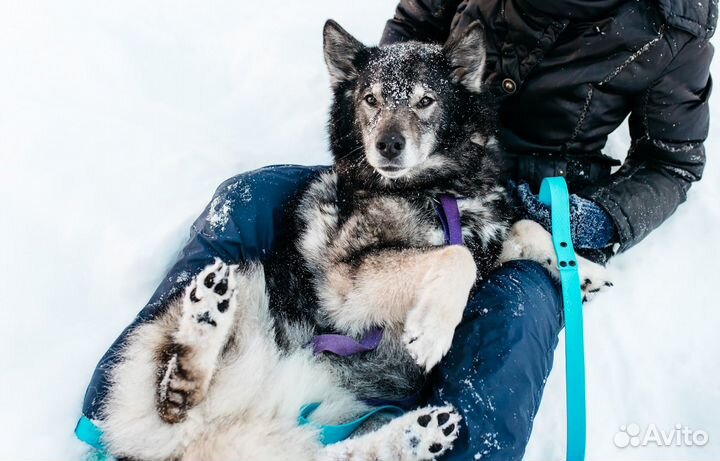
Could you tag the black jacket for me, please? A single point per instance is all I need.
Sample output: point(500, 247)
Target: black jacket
point(570, 71)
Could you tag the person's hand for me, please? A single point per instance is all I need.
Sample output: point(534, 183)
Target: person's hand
point(590, 225)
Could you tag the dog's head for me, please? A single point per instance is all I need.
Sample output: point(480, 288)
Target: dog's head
point(400, 111)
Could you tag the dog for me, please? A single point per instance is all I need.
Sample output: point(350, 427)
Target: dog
point(224, 370)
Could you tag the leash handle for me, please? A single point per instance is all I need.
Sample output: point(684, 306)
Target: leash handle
point(554, 193)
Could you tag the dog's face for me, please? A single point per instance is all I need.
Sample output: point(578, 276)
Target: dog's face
point(404, 100)
point(399, 108)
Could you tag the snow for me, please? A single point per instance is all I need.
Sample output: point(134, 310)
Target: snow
point(119, 119)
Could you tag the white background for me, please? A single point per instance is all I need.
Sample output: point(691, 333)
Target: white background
point(118, 120)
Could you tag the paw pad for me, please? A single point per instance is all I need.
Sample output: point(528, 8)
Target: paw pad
point(209, 295)
point(434, 433)
point(221, 287)
point(205, 318)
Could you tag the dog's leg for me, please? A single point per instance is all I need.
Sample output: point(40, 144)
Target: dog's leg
point(426, 290)
point(168, 362)
point(421, 435)
point(529, 240)
point(189, 360)
point(440, 302)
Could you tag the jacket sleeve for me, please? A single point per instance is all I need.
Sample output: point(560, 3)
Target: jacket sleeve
point(421, 20)
point(668, 125)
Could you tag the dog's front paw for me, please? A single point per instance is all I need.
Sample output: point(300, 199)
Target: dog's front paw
point(430, 325)
point(427, 337)
point(594, 278)
point(529, 240)
point(432, 432)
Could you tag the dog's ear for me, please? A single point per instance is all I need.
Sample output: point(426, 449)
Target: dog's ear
point(341, 49)
point(467, 56)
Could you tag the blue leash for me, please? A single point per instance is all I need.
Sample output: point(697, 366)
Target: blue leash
point(554, 193)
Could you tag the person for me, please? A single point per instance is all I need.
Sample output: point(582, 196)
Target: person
point(566, 73)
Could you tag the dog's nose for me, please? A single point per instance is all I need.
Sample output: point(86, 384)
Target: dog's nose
point(391, 145)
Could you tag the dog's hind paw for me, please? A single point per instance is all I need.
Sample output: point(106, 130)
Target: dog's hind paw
point(209, 302)
point(420, 435)
point(432, 432)
point(190, 357)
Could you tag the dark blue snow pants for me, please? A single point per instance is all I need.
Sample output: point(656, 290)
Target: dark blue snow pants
point(503, 349)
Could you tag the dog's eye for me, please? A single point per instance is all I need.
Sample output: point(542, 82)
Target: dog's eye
point(370, 100)
point(425, 102)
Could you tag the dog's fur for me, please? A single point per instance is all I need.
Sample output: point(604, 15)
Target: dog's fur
point(223, 372)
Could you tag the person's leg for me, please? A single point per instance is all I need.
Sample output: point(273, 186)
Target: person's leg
point(501, 356)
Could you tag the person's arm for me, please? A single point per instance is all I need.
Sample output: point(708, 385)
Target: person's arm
point(668, 126)
point(421, 20)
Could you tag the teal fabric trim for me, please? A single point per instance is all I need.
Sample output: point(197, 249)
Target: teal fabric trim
point(554, 193)
point(334, 434)
point(89, 433)
point(86, 431)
